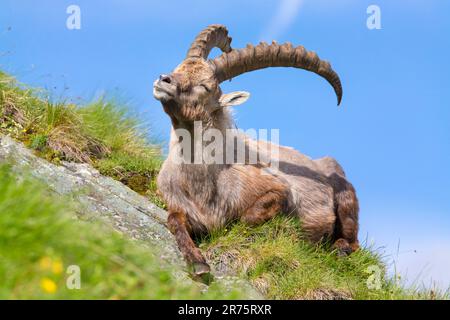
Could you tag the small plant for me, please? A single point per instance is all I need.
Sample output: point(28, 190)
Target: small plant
point(39, 142)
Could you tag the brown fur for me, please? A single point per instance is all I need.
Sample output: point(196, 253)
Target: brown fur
point(180, 228)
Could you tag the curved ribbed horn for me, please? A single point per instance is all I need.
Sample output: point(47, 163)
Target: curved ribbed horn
point(236, 62)
point(215, 35)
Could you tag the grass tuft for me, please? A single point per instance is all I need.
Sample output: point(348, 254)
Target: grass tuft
point(102, 133)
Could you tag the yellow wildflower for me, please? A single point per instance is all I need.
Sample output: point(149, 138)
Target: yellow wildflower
point(48, 285)
point(45, 263)
point(57, 267)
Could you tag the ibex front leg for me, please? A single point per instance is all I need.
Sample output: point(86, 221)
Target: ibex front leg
point(180, 228)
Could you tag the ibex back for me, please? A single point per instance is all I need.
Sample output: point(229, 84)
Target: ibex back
point(205, 196)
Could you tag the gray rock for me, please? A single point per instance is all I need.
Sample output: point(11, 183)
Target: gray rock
point(108, 200)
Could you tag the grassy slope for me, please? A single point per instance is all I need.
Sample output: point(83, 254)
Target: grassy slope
point(101, 133)
point(40, 238)
point(276, 260)
point(273, 256)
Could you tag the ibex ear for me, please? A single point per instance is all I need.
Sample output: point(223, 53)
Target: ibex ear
point(233, 98)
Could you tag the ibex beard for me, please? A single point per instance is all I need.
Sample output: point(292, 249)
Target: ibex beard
point(204, 196)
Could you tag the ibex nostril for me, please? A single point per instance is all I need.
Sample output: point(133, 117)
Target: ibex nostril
point(165, 78)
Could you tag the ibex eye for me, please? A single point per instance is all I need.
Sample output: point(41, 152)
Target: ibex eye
point(205, 87)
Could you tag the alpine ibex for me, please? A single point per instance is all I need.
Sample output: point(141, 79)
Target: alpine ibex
point(202, 197)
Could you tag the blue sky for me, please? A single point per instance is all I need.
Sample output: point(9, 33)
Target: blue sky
point(391, 133)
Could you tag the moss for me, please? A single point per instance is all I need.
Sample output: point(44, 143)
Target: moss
point(137, 173)
point(138, 182)
point(154, 196)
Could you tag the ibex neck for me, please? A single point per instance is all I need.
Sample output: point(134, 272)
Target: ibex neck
point(204, 142)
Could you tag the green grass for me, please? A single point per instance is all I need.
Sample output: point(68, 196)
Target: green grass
point(102, 133)
point(276, 260)
point(40, 239)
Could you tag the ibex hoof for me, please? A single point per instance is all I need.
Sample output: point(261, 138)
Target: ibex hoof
point(342, 248)
point(200, 268)
point(200, 271)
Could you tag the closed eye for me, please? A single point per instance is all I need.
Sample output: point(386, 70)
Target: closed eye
point(205, 87)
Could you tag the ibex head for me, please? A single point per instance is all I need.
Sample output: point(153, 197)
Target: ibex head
point(191, 92)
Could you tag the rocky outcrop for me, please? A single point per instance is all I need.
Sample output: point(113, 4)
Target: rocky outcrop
point(103, 198)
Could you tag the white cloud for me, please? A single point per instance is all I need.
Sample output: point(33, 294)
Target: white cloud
point(284, 17)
